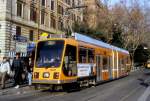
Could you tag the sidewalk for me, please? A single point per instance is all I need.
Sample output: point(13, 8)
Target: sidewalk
point(10, 90)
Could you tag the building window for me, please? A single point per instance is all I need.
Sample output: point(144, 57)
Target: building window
point(73, 3)
point(43, 2)
point(42, 16)
point(18, 31)
point(32, 1)
point(79, 2)
point(33, 13)
point(74, 17)
point(78, 19)
point(53, 22)
point(31, 35)
point(68, 2)
point(19, 8)
point(52, 5)
point(60, 24)
point(60, 10)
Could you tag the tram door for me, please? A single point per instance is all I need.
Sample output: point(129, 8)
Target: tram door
point(98, 68)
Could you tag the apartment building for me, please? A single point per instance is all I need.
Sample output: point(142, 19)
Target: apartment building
point(22, 21)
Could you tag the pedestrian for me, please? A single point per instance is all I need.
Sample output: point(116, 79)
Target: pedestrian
point(4, 71)
point(17, 67)
point(30, 68)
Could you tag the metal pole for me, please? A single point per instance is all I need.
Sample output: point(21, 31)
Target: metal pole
point(38, 20)
point(56, 16)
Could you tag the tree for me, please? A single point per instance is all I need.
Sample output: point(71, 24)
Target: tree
point(121, 25)
point(132, 23)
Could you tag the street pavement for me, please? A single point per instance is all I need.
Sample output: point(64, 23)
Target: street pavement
point(131, 88)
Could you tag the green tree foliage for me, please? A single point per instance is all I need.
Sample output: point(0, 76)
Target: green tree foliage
point(117, 36)
point(85, 29)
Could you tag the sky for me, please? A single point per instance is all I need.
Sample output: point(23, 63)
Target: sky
point(142, 2)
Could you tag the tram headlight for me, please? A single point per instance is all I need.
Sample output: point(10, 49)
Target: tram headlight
point(46, 75)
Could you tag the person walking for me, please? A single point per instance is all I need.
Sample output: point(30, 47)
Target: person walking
point(17, 66)
point(29, 69)
point(4, 71)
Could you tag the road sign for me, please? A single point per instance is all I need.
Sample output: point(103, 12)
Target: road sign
point(21, 47)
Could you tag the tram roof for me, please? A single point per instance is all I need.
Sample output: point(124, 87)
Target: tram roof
point(87, 39)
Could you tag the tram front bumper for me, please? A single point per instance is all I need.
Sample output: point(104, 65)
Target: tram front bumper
point(53, 81)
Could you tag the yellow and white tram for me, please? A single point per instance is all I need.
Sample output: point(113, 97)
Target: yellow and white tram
point(61, 61)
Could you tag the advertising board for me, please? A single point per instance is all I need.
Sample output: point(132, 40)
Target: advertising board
point(85, 69)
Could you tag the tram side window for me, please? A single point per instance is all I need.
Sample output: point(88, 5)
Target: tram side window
point(70, 67)
point(120, 62)
point(90, 56)
point(110, 62)
point(105, 63)
point(82, 55)
point(123, 62)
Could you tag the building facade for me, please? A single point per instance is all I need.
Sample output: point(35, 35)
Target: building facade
point(22, 21)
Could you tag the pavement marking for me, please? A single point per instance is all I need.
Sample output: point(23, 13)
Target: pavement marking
point(145, 95)
point(129, 94)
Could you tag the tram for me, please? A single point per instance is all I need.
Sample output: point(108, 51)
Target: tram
point(81, 60)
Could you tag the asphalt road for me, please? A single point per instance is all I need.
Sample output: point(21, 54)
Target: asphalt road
point(129, 88)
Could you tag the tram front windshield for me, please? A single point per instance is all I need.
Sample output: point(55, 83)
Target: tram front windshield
point(49, 53)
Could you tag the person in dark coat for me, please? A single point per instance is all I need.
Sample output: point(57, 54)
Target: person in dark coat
point(17, 66)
